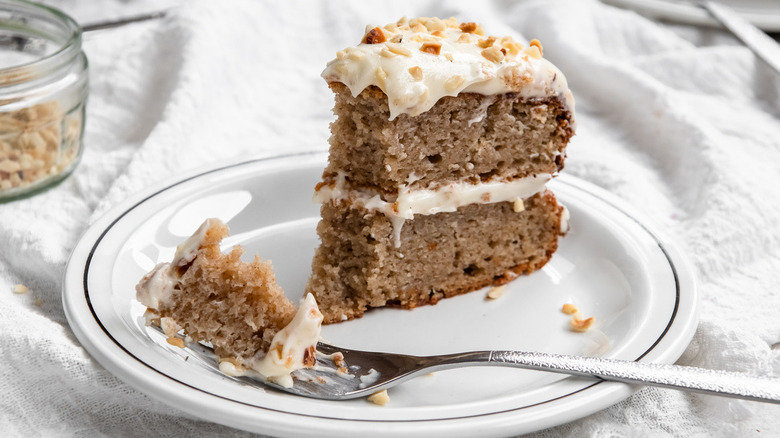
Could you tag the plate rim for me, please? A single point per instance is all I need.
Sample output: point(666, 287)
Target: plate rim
point(613, 391)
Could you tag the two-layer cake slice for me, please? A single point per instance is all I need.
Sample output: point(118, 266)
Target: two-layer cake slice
point(442, 145)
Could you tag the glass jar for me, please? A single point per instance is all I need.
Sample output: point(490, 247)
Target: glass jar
point(43, 92)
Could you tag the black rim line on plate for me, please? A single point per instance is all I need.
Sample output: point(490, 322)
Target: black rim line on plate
point(598, 382)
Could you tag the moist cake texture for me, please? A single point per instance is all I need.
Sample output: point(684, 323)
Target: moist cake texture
point(470, 137)
point(444, 254)
point(443, 142)
point(236, 306)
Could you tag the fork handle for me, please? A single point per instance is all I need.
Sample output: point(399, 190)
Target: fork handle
point(717, 382)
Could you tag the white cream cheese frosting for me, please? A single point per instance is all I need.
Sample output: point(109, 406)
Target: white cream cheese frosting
point(294, 346)
point(157, 286)
point(444, 198)
point(419, 61)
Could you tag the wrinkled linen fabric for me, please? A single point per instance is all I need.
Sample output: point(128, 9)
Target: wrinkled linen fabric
point(681, 122)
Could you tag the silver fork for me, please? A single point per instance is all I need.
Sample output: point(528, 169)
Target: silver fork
point(369, 372)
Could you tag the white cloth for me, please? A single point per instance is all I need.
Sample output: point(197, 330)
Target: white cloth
point(683, 123)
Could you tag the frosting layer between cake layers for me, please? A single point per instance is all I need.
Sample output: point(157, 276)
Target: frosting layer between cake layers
point(445, 198)
point(417, 62)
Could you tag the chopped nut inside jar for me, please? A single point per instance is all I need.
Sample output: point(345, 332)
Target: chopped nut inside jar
point(33, 145)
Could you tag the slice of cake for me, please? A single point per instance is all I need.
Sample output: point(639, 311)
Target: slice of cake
point(442, 145)
point(236, 306)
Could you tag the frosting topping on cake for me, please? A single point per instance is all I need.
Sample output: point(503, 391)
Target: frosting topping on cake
point(417, 62)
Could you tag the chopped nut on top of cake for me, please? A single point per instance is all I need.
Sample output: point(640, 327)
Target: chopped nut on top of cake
point(442, 146)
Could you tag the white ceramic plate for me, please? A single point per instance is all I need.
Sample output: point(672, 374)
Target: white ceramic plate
point(612, 265)
point(764, 14)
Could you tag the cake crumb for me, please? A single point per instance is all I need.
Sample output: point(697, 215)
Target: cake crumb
point(569, 309)
point(20, 289)
point(379, 398)
point(338, 359)
point(169, 326)
point(519, 205)
point(496, 292)
point(176, 342)
point(38, 302)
